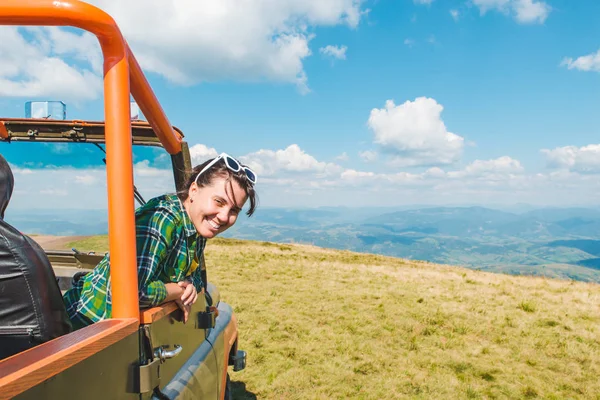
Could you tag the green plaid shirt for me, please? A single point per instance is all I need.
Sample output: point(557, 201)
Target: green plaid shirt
point(167, 245)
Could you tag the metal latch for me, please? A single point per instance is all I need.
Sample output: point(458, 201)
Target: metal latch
point(238, 361)
point(148, 377)
point(207, 319)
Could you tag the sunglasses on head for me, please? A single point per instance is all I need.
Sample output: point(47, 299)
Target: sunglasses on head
point(231, 163)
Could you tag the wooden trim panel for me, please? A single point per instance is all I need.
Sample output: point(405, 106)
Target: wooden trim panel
point(29, 368)
point(153, 314)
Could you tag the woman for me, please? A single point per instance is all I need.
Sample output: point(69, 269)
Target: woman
point(171, 232)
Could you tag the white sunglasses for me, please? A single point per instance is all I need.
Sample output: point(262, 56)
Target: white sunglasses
point(232, 164)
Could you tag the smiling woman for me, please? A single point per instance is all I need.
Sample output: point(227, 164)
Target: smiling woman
point(171, 233)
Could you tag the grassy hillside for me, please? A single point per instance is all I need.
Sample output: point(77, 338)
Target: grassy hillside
point(320, 324)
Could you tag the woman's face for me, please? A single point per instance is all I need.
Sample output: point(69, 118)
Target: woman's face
point(215, 208)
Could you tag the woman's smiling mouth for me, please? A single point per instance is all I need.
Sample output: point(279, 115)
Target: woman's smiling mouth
point(213, 225)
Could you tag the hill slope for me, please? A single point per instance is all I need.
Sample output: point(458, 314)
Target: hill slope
point(321, 323)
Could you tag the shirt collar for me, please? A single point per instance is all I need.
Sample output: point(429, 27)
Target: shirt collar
point(190, 229)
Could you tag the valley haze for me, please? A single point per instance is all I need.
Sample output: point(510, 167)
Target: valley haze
point(520, 239)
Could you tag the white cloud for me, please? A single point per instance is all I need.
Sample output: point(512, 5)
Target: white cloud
point(20, 171)
point(590, 62)
point(199, 153)
point(524, 11)
point(143, 169)
point(415, 132)
point(353, 175)
point(34, 68)
point(409, 42)
point(85, 186)
point(502, 166)
point(294, 178)
point(455, 14)
point(368, 156)
point(584, 159)
point(207, 40)
point(343, 157)
point(85, 179)
point(196, 43)
point(530, 11)
point(423, 2)
point(338, 52)
point(292, 159)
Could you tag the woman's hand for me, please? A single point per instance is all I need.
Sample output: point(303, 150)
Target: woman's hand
point(185, 309)
point(184, 294)
point(190, 295)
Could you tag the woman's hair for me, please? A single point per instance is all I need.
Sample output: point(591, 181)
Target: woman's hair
point(219, 169)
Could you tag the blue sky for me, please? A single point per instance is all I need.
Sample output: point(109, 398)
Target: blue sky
point(342, 102)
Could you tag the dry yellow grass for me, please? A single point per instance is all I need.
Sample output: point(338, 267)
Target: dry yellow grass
point(320, 324)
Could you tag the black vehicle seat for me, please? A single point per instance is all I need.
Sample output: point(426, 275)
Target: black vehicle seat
point(31, 306)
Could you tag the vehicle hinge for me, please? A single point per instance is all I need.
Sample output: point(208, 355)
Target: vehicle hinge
point(207, 319)
point(148, 376)
point(74, 134)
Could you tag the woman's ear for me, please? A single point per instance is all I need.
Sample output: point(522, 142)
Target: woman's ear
point(192, 190)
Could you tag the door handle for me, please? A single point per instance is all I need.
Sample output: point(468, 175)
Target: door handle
point(163, 354)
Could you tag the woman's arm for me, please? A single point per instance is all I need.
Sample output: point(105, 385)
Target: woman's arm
point(155, 234)
point(175, 291)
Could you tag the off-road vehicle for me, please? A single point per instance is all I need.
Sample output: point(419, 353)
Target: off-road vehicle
point(137, 354)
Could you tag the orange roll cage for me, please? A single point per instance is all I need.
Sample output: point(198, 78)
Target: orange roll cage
point(122, 76)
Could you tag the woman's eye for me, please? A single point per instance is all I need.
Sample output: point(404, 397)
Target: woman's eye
point(220, 201)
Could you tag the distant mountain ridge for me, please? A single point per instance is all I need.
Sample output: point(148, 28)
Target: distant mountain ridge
point(559, 242)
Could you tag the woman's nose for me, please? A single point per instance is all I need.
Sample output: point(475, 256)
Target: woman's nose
point(222, 216)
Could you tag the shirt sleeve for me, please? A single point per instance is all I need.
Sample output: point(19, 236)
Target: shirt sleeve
point(155, 234)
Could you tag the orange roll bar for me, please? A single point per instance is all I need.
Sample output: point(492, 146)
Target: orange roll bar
point(119, 168)
point(148, 103)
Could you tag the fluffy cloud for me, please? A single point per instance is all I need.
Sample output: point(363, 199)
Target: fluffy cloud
point(368, 156)
point(415, 133)
point(423, 2)
point(501, 167)
point(270, 39)
point(524, 11)
point(455, 14)
point(200, 153)
point(337, 52)
point(296, 178)
point(289, 160)
point(33, 65)
point(584, 159)
point(352, 175)
point(86, 179)
point(195, 43)
point(590, 62)
point(343, 157)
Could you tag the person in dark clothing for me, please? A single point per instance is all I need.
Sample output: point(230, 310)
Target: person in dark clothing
point(31, 306)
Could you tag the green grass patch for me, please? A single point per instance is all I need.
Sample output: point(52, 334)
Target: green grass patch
point(325, 324)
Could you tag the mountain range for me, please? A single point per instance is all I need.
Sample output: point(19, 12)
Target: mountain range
point(555, 242)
